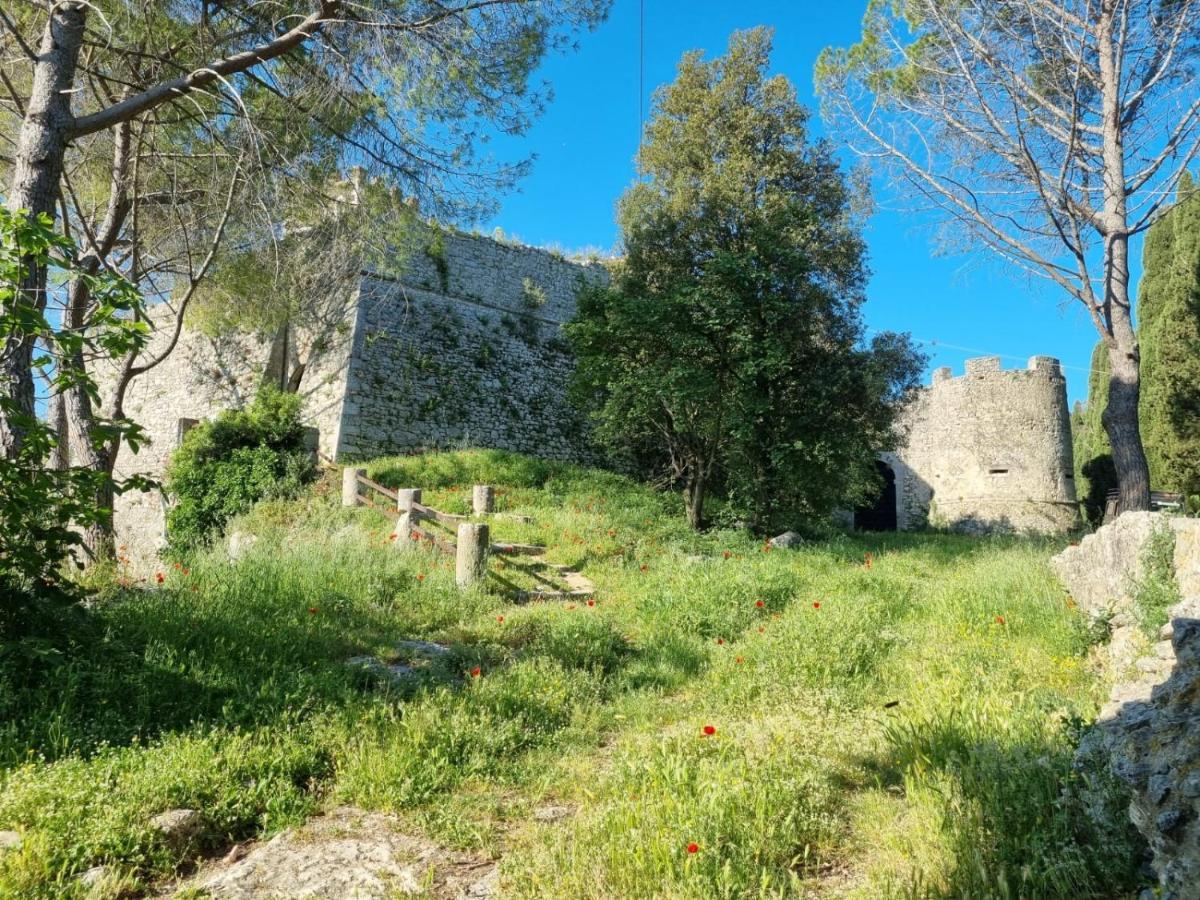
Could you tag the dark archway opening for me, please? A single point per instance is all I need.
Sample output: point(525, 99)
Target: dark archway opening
point(880, 515)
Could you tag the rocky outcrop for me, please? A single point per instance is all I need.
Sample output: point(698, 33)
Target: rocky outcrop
point(345, 853)
point(1149, 731)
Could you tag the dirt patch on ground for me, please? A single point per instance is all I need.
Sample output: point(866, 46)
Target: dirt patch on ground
point(346, 854)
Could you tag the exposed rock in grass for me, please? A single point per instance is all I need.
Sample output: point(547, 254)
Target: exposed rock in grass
point(9, 840)
point(789, 540)
point(179, 826)
point(239, 545)
point(348, 853)
point(418, 653)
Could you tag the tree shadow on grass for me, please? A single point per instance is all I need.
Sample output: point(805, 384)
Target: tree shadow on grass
point(1020, 814)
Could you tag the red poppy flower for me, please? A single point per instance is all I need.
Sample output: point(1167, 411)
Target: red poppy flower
point(476, 672)
point(817, 604)
point(710, 730)
point(159, 577)
point(759, 603)
point(999, 620)
point(720, 640)
point(728, 554)
point(499, 618)
point(591, 602)
point(693, 847)
point(740, 660)
point(420, 576)
point(312, 610)
point(645, 568)
point(867, 561)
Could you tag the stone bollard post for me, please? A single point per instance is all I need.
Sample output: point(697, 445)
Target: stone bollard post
point(409, 517)
point(350, 485)
point(483, 499)
point(474, 542)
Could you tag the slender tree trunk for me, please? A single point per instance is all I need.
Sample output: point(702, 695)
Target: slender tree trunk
point(38, 164)
point(1120, 417)
point(693, 498)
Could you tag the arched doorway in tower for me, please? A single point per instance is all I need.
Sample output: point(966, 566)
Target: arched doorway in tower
point(880, 515)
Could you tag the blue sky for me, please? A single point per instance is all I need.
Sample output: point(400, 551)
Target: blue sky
point(586, 141)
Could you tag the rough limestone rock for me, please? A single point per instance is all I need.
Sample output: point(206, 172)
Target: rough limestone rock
point(1149, 731)
point(9, 840)
point(1102, 570)
point(179, 826)
point(419, 656)
point(1187, 555)
point(347, 853)
point(787, 541)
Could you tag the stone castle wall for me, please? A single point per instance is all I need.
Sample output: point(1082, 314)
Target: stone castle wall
point(466, 349)
point(201, 377)
point(988, 451)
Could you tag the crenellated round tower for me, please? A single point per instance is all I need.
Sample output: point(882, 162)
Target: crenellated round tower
point(988, 451)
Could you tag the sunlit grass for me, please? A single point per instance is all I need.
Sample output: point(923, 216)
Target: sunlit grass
point(891, 716)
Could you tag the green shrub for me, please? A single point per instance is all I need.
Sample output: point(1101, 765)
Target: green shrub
point(227, 465)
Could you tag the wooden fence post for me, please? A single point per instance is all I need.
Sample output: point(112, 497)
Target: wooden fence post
point(350, 485)
point(405, 498)
point(483, 500)
point(471, 559)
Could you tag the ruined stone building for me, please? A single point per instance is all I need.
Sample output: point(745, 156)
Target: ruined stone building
point(982, 452)
point(465, 350)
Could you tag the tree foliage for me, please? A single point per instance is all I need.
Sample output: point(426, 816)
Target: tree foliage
point(43, 509)
point(729, 350)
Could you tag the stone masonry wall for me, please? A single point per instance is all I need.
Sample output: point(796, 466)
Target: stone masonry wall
point(466, 349)
point(200, 378)
point(988, 451)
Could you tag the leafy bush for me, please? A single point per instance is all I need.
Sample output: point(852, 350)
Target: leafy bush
point(227, 465)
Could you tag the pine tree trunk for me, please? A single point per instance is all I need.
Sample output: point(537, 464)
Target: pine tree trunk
point(1121, 416)
point(38, 164)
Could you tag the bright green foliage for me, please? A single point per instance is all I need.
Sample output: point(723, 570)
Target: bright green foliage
point(1095, 474)
point(1169, 334)
point(900, 732)
point(225, 466)
point(39, 505)
point(729, 351)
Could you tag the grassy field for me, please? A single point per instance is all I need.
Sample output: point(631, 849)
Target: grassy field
point(867, 716)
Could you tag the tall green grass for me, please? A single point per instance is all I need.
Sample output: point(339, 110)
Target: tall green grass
point(903, 728)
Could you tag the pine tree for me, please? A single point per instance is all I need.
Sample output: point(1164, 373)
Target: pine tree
point(1169, 338)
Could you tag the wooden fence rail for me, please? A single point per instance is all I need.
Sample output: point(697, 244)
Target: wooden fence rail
point(472, 546)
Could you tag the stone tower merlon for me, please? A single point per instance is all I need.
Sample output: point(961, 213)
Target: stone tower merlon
point(989, 450)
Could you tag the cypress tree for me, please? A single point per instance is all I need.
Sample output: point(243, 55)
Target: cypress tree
point(1169, 333)
point(1095, 474)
